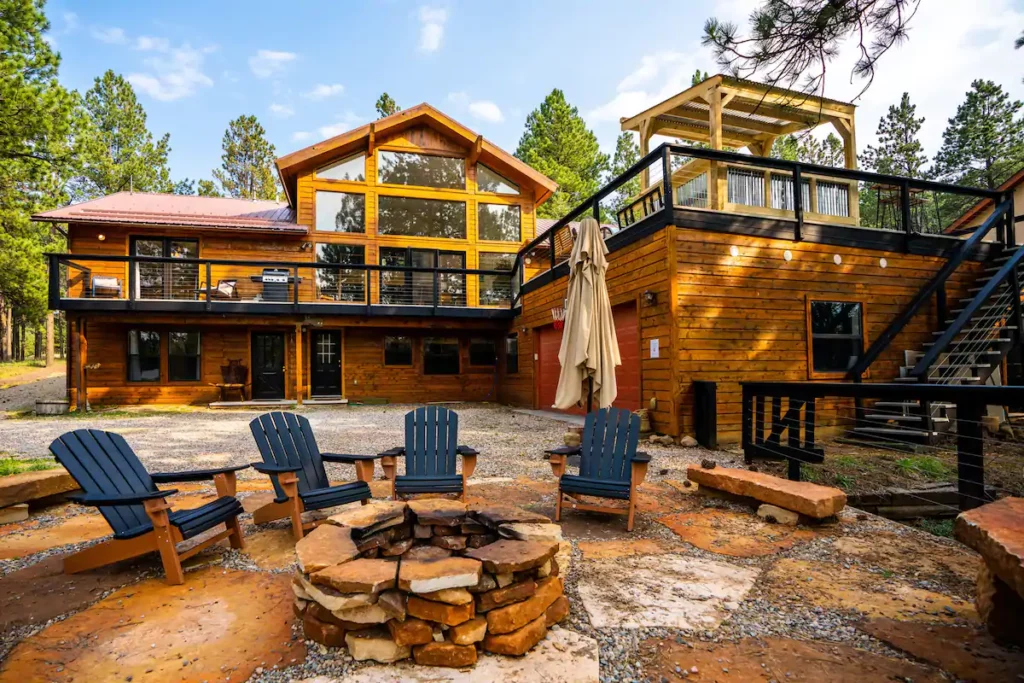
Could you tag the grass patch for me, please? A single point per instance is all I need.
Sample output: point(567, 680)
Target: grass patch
point(938, 527)
point(844, 482)
point(923, 465)
point(9, 466)
point(845, 461)
point(18, 367)
point(107, 413)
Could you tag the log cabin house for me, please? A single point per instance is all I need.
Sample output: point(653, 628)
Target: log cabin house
point(406, 266)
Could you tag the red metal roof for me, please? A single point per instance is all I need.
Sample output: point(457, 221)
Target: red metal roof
point(142, 208)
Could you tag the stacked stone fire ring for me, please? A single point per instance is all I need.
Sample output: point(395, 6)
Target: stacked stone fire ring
point(430, 579)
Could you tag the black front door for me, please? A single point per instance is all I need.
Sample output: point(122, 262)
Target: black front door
point(325, 363)
point(267, 365)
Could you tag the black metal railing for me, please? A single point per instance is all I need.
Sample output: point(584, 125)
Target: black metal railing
point(784, 421)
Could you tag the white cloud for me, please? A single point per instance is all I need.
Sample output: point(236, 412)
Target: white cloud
point(174, 72)
point(282, 111)
point(345, 123)
point(486, 110)
point(267, 63)
point(111, 36)
point(322, 91)
point(432, 21)
point(70, 22)
point(658, 77)
point(301, 135)
point(460, 99)
point(151, 43)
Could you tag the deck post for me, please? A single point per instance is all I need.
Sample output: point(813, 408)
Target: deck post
point(298, 363)
point(798, 203)
point(970, 454)
point(82, 398)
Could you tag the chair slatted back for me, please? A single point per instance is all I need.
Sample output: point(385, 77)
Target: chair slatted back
point(104, 464)
point(431, 437)
point(286, 439)
point(610, 437)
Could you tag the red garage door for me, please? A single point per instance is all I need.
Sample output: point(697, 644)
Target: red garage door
point(627, 375)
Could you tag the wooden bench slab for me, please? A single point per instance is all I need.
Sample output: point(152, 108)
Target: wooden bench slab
point(996, 532)
point(799, 496)
point(29, 486)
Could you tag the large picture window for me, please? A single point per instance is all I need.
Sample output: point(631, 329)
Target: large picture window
point(183, 357)
point(340, 212)
point(498, 222)
point(837, 335)
point(496, 290)
point(489, 181)
point(341, 284)
point(423, 170)
point(398, 351)
point(351, 168)
point(440, 356)
point(143, 356)
point(421, 217)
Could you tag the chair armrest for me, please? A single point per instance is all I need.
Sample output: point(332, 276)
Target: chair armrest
point(348, 458)
point(392, 452)
point(194, 475)
point(466, 450)
point(274, 469)
point(122, 499)
point(565, 450)
point(641, 457)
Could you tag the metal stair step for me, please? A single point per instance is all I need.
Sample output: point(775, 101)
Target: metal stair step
point(897, 404)
point(885, 417)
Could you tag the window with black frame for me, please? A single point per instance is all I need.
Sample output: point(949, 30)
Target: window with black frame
point(512, 354)
point(340, 212)
point(483, 352)
point(422, 170)
point(341, 284)
point(183, 363)
point(398, 351)
point(166, 280)
point(496, 290)
point(440, 356)
point(837, 335)
point(143, 356)
point(416, 288)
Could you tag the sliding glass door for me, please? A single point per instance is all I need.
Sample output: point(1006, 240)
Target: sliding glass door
point(401, 288)
point(177, 281)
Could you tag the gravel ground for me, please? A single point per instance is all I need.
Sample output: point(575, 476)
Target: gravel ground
point(18, 394)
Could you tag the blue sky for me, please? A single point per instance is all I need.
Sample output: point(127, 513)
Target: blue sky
point(309, 70)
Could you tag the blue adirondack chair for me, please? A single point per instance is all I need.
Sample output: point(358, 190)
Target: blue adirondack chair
point(113, 479)
point(431, 444)
point(296, 468)
point(610, 466)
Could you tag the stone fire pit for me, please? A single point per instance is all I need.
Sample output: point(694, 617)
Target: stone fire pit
point(430, 579)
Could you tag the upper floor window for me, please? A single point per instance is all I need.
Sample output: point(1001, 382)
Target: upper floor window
point(350, 168)
point(489, 181)
point(340, 212)
point(341, 284)
point(498, 222)
point(423, 170)
point(421, 217)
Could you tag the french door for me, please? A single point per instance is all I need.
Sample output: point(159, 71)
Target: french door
point(177, 281)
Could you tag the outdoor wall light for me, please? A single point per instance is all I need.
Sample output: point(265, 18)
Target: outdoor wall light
point(101, 237)
point(788, 255)
point(837, 259)
point(882, 263)
point(650, 298)
point(734, 250)
point(306, 246)
point(527, 260)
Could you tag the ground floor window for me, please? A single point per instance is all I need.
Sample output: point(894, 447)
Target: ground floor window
point(836, 335)
point(483, 352)
point(183, 356)
point(512, 354)
point(143, 356)
point(440, 356)
point(398, 351)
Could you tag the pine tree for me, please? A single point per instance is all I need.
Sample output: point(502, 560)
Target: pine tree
point(898, 151)
point(698, 77)
point(207, 188)
point(184, 186)
point(627, 153)
point(809, 149)
point(247, 162)
point(558, 143)
point(386, 106)
point(983, 144)
point(119, 150)
point(786, 147)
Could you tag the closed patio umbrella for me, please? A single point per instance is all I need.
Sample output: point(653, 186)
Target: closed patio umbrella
point(589, 349)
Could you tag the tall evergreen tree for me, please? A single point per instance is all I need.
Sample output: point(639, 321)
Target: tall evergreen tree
point(809, 149)
point(898, 151)
point(627, 153)
point(558, 143)
point(698, 77)
point(386, 106)
point(247, 162)
point(120, 152)
point(184, 186)
point(983, 144)
point(207, 188)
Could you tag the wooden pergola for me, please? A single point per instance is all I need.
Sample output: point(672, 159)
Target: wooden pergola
point(723, 111)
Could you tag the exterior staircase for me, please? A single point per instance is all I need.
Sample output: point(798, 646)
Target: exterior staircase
point(978, 332)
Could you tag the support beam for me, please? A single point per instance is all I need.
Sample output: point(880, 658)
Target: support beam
point(848, 133)
point(82, 398)
point(718, 188)
point(49, 339)
point(298, 363)
point(645, 148)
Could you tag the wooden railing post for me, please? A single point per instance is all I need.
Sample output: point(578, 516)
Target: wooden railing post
point(970, 454)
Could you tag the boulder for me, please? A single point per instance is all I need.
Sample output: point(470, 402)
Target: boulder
point(777, 515)
point(557, 611)
point(515, 592)
point(370, 518)
point(469, 632)
point(335, 600)
point(531, 531)
point(495, 515)
point(29, 486)
point(325, 546)
point(688, 441)
point(440, 612)
point(369, 614)
point(799, 496)
point(358, 576)
point(507, 555)
point(449, 542)
point(427, 577)
point(453, 596)
point(425, 553)
point(375, 644)
point(393, 602)
point(411, 632)
point(438, 511)
point(14, 513)
point(996, 531)
point(516, 642)
point(519, 614)
point(999, 607)
point(329, 635)
point(444, 654)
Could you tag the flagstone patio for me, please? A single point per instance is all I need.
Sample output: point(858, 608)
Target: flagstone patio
point(703, 590)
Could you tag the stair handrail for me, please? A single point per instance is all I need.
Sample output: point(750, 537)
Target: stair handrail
point(896, 326)
point(920, 370)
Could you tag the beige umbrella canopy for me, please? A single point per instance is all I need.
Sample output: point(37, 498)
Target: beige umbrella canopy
point(589, 347)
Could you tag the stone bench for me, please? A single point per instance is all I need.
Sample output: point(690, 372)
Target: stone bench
point(29, 486)
point(996, 532)
point(808, 499)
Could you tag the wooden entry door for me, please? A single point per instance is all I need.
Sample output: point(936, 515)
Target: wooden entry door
point(325, 363)
point(268, 365)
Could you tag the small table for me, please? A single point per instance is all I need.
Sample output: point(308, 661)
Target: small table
point(226, 388)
